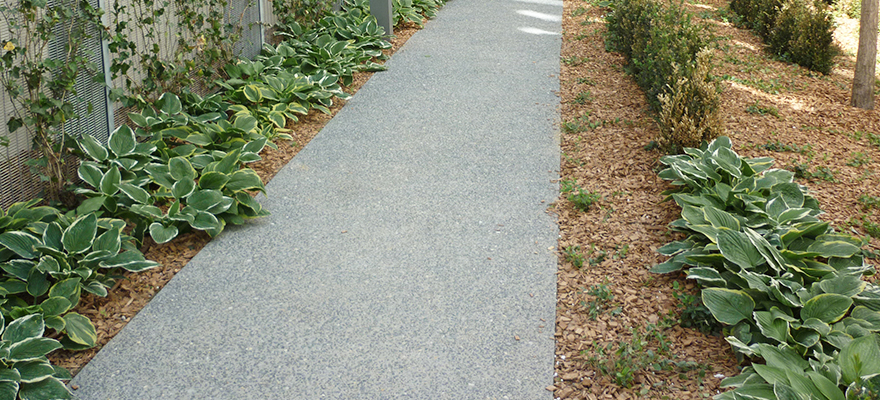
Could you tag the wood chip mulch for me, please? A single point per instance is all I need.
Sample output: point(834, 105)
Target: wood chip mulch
point(611, 160)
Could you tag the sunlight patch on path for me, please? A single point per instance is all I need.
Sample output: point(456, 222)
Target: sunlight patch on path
point(539, 15)
point(536, 31)
point(557, 3)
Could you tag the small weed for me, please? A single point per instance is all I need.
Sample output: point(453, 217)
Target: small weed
point(602, 298)
point(586, 81)
point(780, 147)
point(874, 139)
point(757, 108)
point(600, 256)
point(580, 36)
point(620, 252)
point(859, 159)
point(582, 199)
point(583, 97)
point(574, 61)
point(871, 228)
point(574, 256)
point(692, 313)
point(579, 11)
point(869, 202)
point(567, 186)
point(804, 171)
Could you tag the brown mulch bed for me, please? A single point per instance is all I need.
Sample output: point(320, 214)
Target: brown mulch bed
point(110, 314)
point(595, 333)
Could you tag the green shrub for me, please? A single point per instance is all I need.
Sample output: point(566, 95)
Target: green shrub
point(690, 110)
point(304, 12)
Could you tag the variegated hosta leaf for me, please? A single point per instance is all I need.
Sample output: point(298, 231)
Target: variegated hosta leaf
point(728, 306)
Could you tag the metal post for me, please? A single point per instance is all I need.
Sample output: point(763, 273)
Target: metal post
point(381, 9)
point(337, 5)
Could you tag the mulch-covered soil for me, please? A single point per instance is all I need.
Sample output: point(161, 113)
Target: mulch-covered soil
point(595, 332)
point(110, 314)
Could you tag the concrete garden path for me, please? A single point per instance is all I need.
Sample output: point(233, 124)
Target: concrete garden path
point(409, 254)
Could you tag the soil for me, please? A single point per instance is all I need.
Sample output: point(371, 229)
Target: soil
point(763, 102)
point(766, 102)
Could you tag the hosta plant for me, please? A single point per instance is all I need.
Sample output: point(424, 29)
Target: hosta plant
point(787, 285)
point(25, 372)
point(48, 263)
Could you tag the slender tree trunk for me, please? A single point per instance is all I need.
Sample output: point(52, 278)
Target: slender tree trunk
point(863, 81)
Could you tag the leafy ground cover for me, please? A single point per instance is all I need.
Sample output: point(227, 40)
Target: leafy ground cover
point(623, 332)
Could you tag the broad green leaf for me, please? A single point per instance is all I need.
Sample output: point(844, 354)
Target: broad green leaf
point(34, 371)
point(122, 141)
point(95, 288)
point(183, 189)
point(790, 193)
point(828, 307)
point(213, 180)
point(767, 251)
point(181, 169)
point(199, 139)
point(31, 348)
point(870, 316)
point(202, 200)
point(92, 205)
point(205, 221)
point(78, 237)
point(783, 357)
point(706, 276)
point(786, 392)
point(816, 325)
point(55, 306)
point(833, 246)
point(161, 233)
point(20, 269)
point(80, 329)
point(246, 123)
point(52, 236)
point(68, 288)
point(253, 94)
point(846, 285)
point(135, 193)
point(828, 389)
point(9, 374)
point(30, 326)
point(48, 264)
point(668, 266)
point(110, 181)
point(755, 392)
point(130, 260)
point(244, 179)
point(861, 357)
point(109, 241)
point(770, 327)
point(838, 339)
point(93, 148)
point(721, 219)
point(228, 163)
point(147, 211)
point(170, 104)
point(50, 388)
point(20, 243)
point(737, 248)
point(771, 374)
point(728, 306)
point(90, 173)
point(37, 283)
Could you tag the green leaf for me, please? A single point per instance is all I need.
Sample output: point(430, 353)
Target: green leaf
point(79, 235)
point(135, 193)
point(706, 276)
point(20, 269)
point(9, 389)
point(776, 329)
point(833, 246)
point(31, 348)
point(828, 307)
point(721, 219)
point(68, 288)
point(861, 357)
point(202, 200)
point(213, 180)
point(93, 148)
point(737, 248)
point(80, 329)
point(170, 104)
point(110, 181)
point(728, 306)
point(30, 326)
point(161, 233)
point(771, 374)
point(205, 221)
point(9, 374)
point(244, 179)
point(183, 189)
point(109, 241)
point(246, 123)
point(181, 169)
point(50, 388)
point(130, 260)
point(48, 264)
point(37, 283)
point(828, 389)
point(90, 173)
point(122, 141)
point(782, 357)
point(55, 306)
point(846, 285)
point(20, 243)
point(253, 94)
point(34, 371)
point(790, 193)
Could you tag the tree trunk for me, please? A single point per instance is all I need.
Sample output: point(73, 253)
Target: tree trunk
point(863, 81)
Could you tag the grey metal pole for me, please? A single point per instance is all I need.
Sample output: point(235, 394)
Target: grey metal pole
point(381, 9)
point(337, 5)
